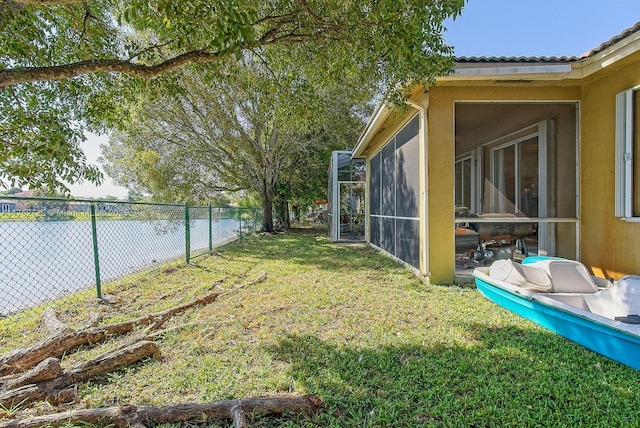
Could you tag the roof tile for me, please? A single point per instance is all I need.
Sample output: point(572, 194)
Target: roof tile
point(550, 59)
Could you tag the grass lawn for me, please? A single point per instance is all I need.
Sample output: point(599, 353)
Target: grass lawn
point(378, 346)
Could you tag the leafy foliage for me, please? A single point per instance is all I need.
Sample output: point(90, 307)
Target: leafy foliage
point(100, 52)
point(261, 129)
point(40, 137)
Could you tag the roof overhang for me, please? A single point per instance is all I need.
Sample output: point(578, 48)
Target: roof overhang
point(499, 71)
point(494, 70)
point(503, 69)
point(375, 122)
point(592, 63)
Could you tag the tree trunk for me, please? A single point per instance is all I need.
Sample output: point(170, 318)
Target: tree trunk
point(62, 342)
point(51, 322)
point(296, 213)
point(46, 370)
point(282, 210)
point(267, 209)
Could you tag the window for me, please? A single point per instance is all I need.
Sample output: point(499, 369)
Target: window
point(463, 183)
point(628, 150)
point(515, 177)
point(514, 174)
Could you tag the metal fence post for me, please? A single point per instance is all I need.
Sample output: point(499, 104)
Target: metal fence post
point(210, 230)
point(240, 223)
point(96, 260)
point(187, 233)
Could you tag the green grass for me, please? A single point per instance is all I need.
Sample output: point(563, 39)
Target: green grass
point(381, 348)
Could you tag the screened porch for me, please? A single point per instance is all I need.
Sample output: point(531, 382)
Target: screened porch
point(516, 190)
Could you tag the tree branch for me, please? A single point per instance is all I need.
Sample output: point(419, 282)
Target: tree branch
point(156, 46)
point(31, 74)
point(130, 415)
point(48, 2)
point(87, 16)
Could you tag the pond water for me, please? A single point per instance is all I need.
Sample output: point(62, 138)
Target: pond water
point(44, 260)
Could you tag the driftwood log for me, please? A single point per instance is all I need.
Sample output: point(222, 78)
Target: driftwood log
point(56, 388)
point(62, 341)
point(141, 416)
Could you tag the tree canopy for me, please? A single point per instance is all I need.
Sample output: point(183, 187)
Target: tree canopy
point(253, 130)
point(66, 65)
point(61, 39)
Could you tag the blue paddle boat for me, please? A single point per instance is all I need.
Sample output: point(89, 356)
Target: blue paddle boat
point(562, 296)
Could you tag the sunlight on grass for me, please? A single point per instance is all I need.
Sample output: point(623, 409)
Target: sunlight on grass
point(379, 347)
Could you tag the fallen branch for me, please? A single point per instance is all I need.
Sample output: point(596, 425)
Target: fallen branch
point(51, 322)
point(141, 416)
point(152, 336)
point(54, 325)
point(239, 417)
point(93, 320)
point(147, 335)
point(258, 280)
point(47, 369)
point(54, 390)
point(62, 342)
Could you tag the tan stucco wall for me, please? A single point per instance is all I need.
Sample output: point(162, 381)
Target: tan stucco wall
point(610, 246)
point(440, 179)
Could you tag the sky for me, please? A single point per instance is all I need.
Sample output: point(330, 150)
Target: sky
point(91, 149)
point(492, 28)
point(538, 27)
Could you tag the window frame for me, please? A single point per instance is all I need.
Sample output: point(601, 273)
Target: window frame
point(495, 170)
point(624, 150)
point(459, 162)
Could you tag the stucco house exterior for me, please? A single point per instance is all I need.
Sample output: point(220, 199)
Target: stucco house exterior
point(553, 141)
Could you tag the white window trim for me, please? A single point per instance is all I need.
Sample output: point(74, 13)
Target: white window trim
point(475, 157)
point(624, 155)
point(460, 161)
point(496, 171)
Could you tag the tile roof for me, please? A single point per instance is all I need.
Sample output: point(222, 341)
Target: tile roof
point(519, 59)
point(550, 59)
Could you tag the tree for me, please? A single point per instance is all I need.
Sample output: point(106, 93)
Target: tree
point(146, 39)
point(11, 191)
point(308, 182)
point(68, 65)
point(244, 132)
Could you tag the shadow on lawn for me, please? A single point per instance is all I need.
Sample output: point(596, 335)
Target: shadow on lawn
point(510, 377)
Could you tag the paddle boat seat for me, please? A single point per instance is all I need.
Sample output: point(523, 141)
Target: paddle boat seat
point(524, 276)
point(620, 302)
point(545, 275)
point(567, 276)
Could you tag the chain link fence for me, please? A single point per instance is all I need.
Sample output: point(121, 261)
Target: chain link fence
point(50, 248)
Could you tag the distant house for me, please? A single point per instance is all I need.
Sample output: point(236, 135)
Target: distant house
point(7, 206)
point(22, 205)
point(553, 141)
